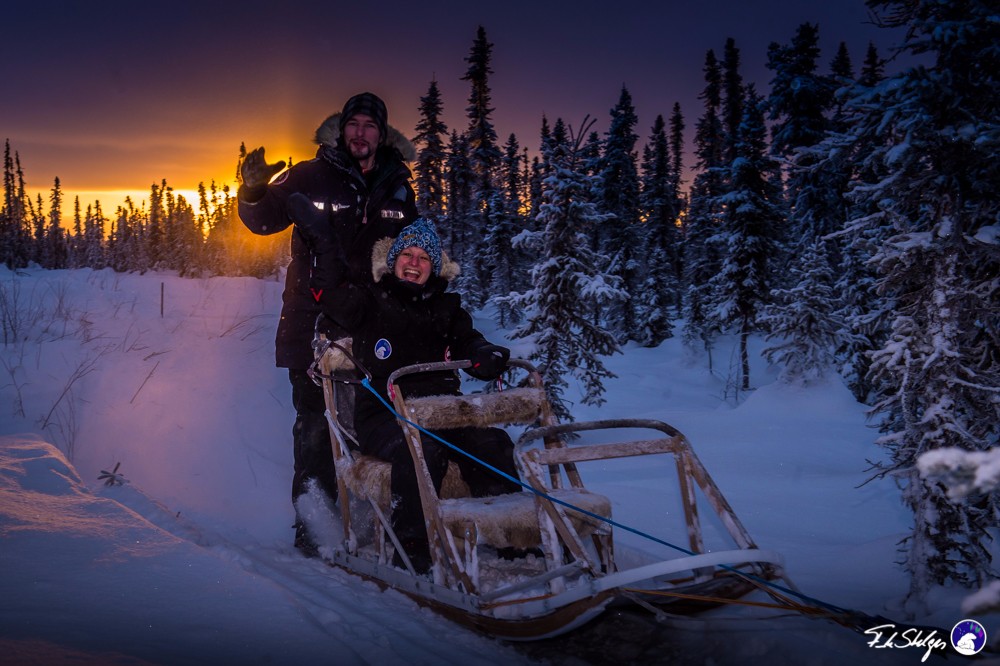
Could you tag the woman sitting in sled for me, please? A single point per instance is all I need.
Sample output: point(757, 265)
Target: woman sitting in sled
point(405, 316)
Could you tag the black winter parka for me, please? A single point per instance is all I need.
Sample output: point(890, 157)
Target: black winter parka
point(395, 323)
point(371, 207)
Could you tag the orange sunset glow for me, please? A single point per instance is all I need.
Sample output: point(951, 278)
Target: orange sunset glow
point(136, 105)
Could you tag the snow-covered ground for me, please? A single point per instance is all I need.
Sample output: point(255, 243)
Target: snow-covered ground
point(190, 562)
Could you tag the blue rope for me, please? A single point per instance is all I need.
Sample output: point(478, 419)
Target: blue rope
point(367, 384)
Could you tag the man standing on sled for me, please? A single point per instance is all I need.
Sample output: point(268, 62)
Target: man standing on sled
point(360, 183)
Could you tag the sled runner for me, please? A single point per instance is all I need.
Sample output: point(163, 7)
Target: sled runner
point(540, 562)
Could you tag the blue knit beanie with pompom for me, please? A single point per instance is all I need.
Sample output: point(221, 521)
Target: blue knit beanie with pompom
point(419, 234)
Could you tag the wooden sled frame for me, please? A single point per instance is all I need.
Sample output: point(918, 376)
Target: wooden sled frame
point(453, 529)
point(579, 575)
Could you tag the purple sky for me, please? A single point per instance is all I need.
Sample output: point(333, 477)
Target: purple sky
point(112, 96)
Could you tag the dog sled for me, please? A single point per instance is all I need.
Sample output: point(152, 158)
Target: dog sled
point(571, 561)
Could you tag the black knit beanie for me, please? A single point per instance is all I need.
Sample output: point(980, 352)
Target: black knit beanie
point(370, 105)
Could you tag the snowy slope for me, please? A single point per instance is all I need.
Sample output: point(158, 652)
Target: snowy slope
point(190, 561)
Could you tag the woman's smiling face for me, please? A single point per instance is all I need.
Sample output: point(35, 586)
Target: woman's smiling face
point(413, 265)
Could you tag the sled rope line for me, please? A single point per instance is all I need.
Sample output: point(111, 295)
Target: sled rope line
point(850, 619)
point(760, 581)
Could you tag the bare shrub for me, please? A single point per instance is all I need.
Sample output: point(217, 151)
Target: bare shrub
point(19, 312)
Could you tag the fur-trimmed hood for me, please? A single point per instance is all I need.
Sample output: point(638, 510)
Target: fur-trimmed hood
point(380, 268)
point(328, 134)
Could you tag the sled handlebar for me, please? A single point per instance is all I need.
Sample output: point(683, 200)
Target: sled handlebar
point(451, 365)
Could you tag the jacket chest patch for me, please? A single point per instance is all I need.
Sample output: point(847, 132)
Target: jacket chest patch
point(383, 349)
point(332, 206)
point(392, 215)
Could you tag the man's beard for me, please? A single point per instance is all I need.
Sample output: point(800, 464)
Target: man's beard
point(361, 151)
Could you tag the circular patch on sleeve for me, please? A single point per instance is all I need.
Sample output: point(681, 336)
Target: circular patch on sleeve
point(383, 349)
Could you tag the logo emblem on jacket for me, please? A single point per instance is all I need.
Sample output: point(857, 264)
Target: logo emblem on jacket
point(392, 214)
point(383, 349)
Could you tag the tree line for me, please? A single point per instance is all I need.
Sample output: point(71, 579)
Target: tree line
point(848, 216)
point(198, 238)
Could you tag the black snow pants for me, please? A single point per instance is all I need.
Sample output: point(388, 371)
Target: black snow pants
point(313, 452)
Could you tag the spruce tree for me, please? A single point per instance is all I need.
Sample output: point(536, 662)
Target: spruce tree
point(457, 234)
point(863, 310)
point(506, 261)
point(803, 321)
point(55, 252)
point(799, 102)
point(484, 161)
point(539, 171)
point(567, 280)
point(701, 250)
point(155, 234)
point(938, 376)
point(6, 222)
point(22, 210)
point(847, 161)
point(732, 99)
point(750, 228)
point(660, 291)
point(76, 239)
point(93, 237)
point(800, 96)
point(676, 150)
point(431, 156)
point(15, 221)
point(619, 198)
point(873, 69)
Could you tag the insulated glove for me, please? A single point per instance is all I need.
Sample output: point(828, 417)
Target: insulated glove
point(255, 171)
point(488, 362)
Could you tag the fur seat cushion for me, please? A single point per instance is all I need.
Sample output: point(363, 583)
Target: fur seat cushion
point(368, 478)
point(512, 520)
point(501, 521)
point(478, 410)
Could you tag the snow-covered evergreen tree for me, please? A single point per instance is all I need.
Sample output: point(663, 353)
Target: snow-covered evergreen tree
point(733, 91)
point(484, 161)
point(93, 237)
point(619, 198)
point(55, 249)
point(15, 225)
point(799, 102)
point(154, 232)
point(501, 255)
point(938, 376)
point(458, 237)
point(658, 199)
point(676, 149)
point(701, 251)
point(799, 97)
point(848, 161)
point(183, 242)
point(803, 320)
point(431, 156)
point(126, 252)
point(75, 239)
point(567, 280)
point(750, 227)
